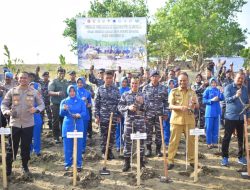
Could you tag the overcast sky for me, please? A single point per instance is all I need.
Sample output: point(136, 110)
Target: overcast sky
point(32, 29)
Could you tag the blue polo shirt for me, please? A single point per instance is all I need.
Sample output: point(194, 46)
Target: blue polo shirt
point(233, 105)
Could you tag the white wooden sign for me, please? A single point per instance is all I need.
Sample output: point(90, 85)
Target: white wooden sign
point(74, 135)
point(138, 135)
point(197, 132)
point(4, 131)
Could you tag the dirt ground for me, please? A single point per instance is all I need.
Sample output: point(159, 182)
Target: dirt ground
point(48, 171)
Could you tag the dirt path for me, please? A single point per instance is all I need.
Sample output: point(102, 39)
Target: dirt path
point(48, 171)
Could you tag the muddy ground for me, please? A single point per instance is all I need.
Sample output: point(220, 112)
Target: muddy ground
point(48, 171)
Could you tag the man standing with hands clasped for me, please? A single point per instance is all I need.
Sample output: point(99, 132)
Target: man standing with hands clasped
point(19, 105)
point(132, 106)
point(235, 97)
point(156, 105)
point(106, 101)
point(182, 102)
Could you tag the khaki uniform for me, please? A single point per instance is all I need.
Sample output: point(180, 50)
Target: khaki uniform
point(20, 101)
point(181, 121)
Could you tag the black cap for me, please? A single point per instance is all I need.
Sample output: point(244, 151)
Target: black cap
point(72, 72)
point(177, 69)
point(60, 69)
point(45, 73)
point(101, 71)
point(32, 74)
point(154, 72)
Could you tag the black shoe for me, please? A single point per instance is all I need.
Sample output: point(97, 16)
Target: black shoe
point(9, 168)
point(38, 155)
point(103, 156)
point(126, 165)
point(158, 151)
point(170, 166)
point(148, 151)
point(25, 170)
point(57, 141)
point(111, 155)
point(142, 163)
point(8, 172)
point(192, 165)
point(79, 170)
point(214, 146)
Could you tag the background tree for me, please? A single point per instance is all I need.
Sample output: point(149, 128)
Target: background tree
point(62, 60)
point(200, 28)
point(9, 62)
point(246, 54)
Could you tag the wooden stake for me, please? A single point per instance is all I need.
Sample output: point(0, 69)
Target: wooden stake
point(247, 145)
point(196, 158)
point(121, 138)
point(164, 150)
point(187, 146)
point(4, 162)
point(108, 139)
point(75, 160)
point(138, 163)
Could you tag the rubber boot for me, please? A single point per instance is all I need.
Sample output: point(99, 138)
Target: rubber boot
point(8, 168)
point(142, 162)
point(126, 165)
point(111, 155)
point(158, 151)
point(148, 151)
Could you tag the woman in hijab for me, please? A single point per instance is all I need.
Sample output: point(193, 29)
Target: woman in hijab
point(36, 146)
point(85, 95)
point(74, 111)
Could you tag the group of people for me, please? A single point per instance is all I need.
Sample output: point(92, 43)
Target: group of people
point(136, 101)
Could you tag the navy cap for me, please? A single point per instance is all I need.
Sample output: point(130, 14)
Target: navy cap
point(177, 69)
point(45, 73)
point(8, 75)
point(154, 72)
point(101, 71)
point(60, 69)
point(72, 72)
point(6, 69)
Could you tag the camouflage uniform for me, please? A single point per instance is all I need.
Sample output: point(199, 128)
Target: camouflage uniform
point(90, 89)
point(134, 121)
point(156, 105)
point(199, 89)
point(226, 82)
point(46, 100)
point(97, 81)
point(106, 101)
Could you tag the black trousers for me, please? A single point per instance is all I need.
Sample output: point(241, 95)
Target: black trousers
point(104, 127)
point(56, 121)
point(49, 115)
point(25, 136)
point(3, 120)
point(90, 123)
point(230, 126)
